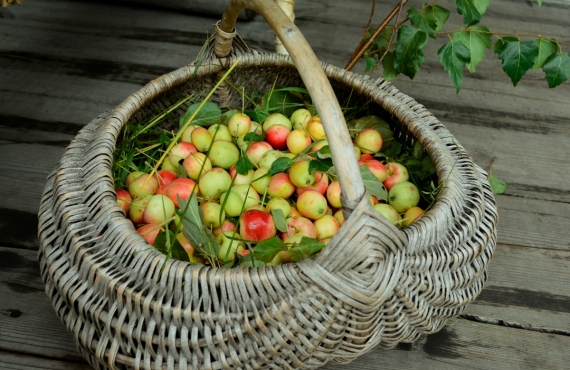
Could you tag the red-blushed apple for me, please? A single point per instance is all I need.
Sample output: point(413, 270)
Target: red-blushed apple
point(300, 118)
point(196, 165)
point(326, 226)
point(143, 185)
point(276, 119)
point(294, 212)
point(182, 188)
point(240, 179)
point(321, 184)
point(413, 214)
point(299, 225)
point(214, 182)
point(299, 174)
point(403, 196)
point(179, 152)
point(378, 169)
point(280, 186)
point(149, 232)
point(239, 124)
point(229, 246)
point(220, 132)
point(165, 177)
point(124, 199)
point(136, 210)
point(279, 203)
point(369, 141)
point(257, 150)
point(312, 204)
point(339, 217)
point(223, 154)
point(389, 212)
point(257, 225)
point(261, 180)
point(158, 210)
point(373, 200)
point(133, 176)
point(365, 158)
point(276, 135)
point(226, 226)
point(333, 194)
point(269, 157)
point(315, 129)
point(213, 213)
point(396, 173)
point(201, 138)
point(297, 141)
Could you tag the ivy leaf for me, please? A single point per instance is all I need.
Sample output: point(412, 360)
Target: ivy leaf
point(481, 5)
point(498, 186)
point(469, 11)
point(557, 69)
point(518, 57)
point(545, 49)
point(369, 64)
point(266, 250)
point(243, 165)
point(423, 20)
point(439, 13)
point(372, 184)
point(209, 114)
point(389, 72)
point(175, 249)
point(280, 165)
point(409, 54)
point(381, 41)
point(279, 220)
point(307, 248)
point(320, 165)
point(475, 42)
point(502, 41)
point(454, 56)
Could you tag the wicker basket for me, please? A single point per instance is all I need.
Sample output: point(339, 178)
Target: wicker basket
point(373, 285)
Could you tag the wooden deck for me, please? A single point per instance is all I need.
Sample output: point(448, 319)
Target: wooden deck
point(62, 62)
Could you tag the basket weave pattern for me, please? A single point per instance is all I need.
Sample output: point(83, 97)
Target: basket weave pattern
point(373, 285)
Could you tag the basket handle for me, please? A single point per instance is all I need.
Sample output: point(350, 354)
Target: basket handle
point(318, 86)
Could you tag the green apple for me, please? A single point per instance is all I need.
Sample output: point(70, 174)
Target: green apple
point(403, 196)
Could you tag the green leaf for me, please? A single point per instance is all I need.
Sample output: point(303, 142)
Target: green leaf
point(208, 115)
point(280, 165)
point(423, 20)
point(324, 152)
point(440, 14)
point(469, 11)
point(545, 49)
point(481, 5)
point(247, 262)
point(266, 250)
point(279, 220)
point(371, 182)
point(393, 151)
point(498, 186)
point(369, 64)
point(389, 72)
point(243, 165)
point(557, 69)
point(409, 54)
point(320, 165)
point(502, 41)
point(454, 56)
point(307, 248)
point(257, 116)
point(475, 42)
point(428, 167)
point(253, 137)
point(518, 57)
point(181, 171)
point(194, 230)
point(417, 150)
point(175, 248)
point(281, 100)
point(381, 41)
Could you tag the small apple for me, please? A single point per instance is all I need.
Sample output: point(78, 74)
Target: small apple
point(136, 210)
point(282, 257)
point(276, 135)
point(214, 182)
point(182, 188)
point(403, 196)
point(179, 152)
point(187, 134)
point(240, 179)
point(300, 118)
point(294, 212)
point(297, 141)
point(220, 132)
point(158, 210)
point(276, 119)
point(326, 226)
point(213, 213)
point(280, 186)
point(166, 165)
point(247, 194)
point(339, 217)
point(369, 141)
point(196, 165)
point(257, 150)
point(124, 199)
point(300, 175)
point(133, 176)
point(315, 129)
point(413, 214)
point(257, 225)
point(312, 204)
point(239, 124)
point(260, 180)
point(143, 185)
point(149, 232)
point(321, 184)
point(378, 169)
point(389, 212)
point(333, 194)
point(396, 173)
point(268, 158)
point(279, 203)
point(201, 138)
point(223, 154)
point(229, 245)
point(299, 225)
point(165, 177)
point(226, 226)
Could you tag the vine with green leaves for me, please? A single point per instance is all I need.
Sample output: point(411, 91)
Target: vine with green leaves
point(398, 47)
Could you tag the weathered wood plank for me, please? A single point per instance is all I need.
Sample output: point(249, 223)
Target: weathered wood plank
point(15, 361)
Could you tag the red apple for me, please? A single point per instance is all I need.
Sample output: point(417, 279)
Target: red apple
point(179, 152)
point(396, 173)
point(378, 169)
point(181, 187)
point(276, 135)
point(149, 232)
point(165, 177)
point(257, 225)
point(321, 184)
point(300, 225)
point(333, 194)
point(280, 186)
point(312, 204)
point(124, 199)
point(143, 185)
point(257, 150)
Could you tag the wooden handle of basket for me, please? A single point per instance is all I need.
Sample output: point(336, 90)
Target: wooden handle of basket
point(318, 86)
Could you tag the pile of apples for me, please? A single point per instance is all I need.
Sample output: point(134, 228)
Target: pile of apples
point(204, 162)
